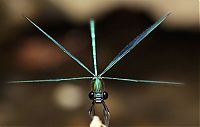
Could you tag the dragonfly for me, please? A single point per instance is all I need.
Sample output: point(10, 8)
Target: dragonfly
point(98, 95)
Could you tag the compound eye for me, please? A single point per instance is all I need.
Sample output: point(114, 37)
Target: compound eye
point(91, 95)
point(105, 95)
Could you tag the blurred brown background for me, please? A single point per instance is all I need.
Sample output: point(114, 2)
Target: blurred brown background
point(170, 53)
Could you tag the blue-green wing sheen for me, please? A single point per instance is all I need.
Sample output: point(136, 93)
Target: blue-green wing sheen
point(142, 81)
point(50, 80)
point(133, 43)
point(60, 46)
point(92, 30)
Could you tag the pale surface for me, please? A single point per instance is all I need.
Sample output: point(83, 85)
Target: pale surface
point(96, 122)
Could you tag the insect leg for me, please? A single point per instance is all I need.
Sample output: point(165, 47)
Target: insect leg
point(106, 114)
point(92, 110)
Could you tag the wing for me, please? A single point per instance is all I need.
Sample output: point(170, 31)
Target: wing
point(92, 30)
point(60, 46)
point(133, 43)
point(142, 81)
point(50, 80)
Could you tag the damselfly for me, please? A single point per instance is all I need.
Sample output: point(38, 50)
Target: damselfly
point(98, 93)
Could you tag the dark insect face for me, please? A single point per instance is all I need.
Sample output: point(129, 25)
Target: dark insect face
point(105, 95)
point(91, 95)
point(98, 97)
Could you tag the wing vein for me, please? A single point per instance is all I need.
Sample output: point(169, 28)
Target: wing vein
point(49, 80)
point(92, 30)
point(133, 43)
point(142, 81)
point(60, 46)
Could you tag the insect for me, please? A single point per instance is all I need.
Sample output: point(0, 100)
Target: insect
point(98, 95)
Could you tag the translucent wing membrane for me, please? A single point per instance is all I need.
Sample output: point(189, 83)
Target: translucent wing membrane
point(92, 30)
point(142, 81)
point(133, 43)
point(50, 80)
point(60, 46)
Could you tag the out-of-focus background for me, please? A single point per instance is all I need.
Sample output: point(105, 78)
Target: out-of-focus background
point(170, 53)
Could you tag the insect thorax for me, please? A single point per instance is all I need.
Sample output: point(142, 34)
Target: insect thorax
point(97, 85)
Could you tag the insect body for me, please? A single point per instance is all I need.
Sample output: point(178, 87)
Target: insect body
point(98, 93)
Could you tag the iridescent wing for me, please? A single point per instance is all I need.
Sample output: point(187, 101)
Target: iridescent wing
point(142, 81)
point(50, 80)
point(133, 43)
point(60, 46)
point(92, 30)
